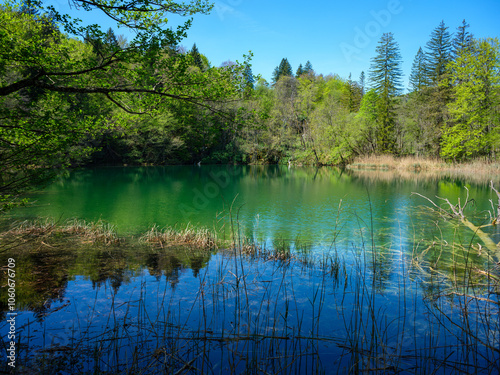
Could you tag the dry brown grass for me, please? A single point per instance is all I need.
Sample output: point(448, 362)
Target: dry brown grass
point(91, 232)
point(411, 167)
point(407, 163)
point(171, 236)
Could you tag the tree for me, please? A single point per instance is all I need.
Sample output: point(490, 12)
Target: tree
point(248, 77)
point(474, 125)
point(438, 54)
point(385, 76)
point(300, 71)
point(463, 41)
point(283, 69)
point(352, 95)
point(418, 78)
point(195, 54)
point(308, 68)
point(54, 88)
point(437, 93)
point(362, 82)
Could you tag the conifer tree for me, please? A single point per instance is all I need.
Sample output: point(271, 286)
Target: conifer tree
point(284, 69)
point(196, 57)
point(110, 39)
point(463, 41)
point(385, 77)
point(418, 72)
point(308, 68)
point(438, 54)
point(248, 79)
point(300, 71)
point(362, 82)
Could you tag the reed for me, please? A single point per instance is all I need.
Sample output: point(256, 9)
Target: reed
point(201, 238)
point(483, 167)
point(98, 232)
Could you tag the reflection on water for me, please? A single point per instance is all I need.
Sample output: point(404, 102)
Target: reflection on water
point(375, 283)
point(268, 201)
point(89, 309)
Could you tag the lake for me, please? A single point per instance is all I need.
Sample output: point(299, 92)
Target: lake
point(373, 279)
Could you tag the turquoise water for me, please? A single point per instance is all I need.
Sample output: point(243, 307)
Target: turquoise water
point(267, 201)
point(374, 283)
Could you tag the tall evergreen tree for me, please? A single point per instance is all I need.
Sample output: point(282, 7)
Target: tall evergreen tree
point(196, 57)
point(438, 54)
point(362, 82)
point(463, 44)
point(308, 68)
point(110, 39)
point(300, 71)
point(351, 98)
point(386, 79)
point(418, 78)
point(283, 69)
point(463, 41)
point(248, 79)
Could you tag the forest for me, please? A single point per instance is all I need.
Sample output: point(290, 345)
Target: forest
point(75, 95)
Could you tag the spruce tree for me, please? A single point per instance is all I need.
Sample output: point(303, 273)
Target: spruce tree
point(463, 41)
point(362, 82)
point(300, 71)
point(284, 69)
point(196, 57)
point(386, 79)
point(110, 39)
point(463, 44)
point(308, 68)
point(418, 78)
point(248, 79)
point(438, 54)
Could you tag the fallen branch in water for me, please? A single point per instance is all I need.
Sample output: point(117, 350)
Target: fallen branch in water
point(457, 211)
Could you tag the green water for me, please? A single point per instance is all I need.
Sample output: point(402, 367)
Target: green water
point(268, 202)
point(376, 283)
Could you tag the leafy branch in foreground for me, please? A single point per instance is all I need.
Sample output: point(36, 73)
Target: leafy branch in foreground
point(59, 92)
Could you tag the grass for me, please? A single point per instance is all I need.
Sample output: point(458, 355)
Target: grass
point(200, 238)
point(410, 164)
point(98, 232)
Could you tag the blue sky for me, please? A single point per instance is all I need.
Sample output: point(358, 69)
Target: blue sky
point(338, 37)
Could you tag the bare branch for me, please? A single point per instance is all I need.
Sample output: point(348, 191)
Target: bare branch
point(441, 211)
point(497, 219)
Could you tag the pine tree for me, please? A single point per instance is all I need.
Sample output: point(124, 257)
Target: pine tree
point(284, 69)
point(418, 78)
point(438, 54)
point(196, 57)
point(386, 79)
point(300, 71)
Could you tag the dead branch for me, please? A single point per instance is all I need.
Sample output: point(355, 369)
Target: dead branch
point(497, 219)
